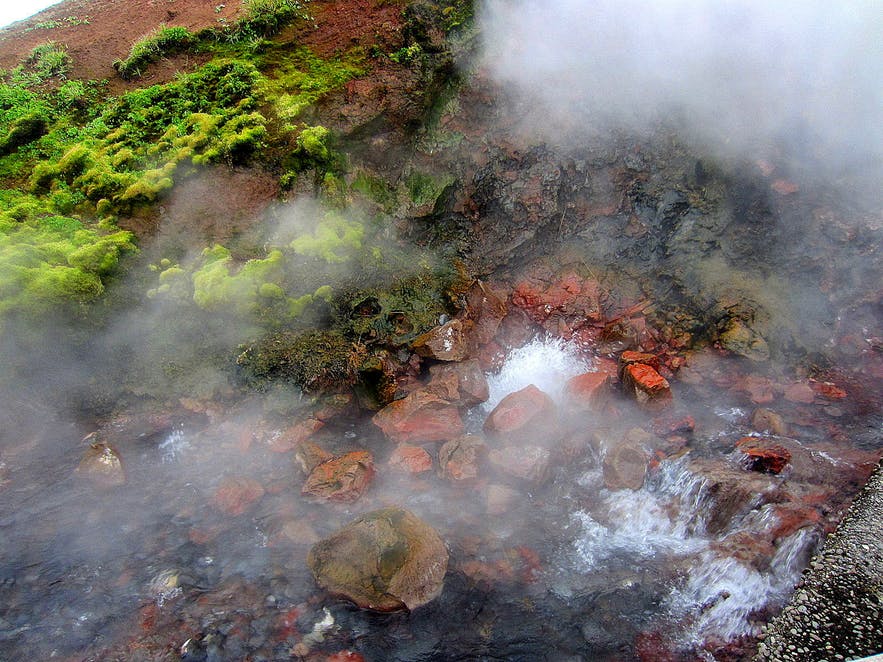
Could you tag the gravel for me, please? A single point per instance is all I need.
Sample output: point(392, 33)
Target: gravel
point(835, 614)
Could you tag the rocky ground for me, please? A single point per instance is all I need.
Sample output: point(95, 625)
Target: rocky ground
point(837, 611)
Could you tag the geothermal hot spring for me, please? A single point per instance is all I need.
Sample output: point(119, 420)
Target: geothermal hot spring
point(567, 569)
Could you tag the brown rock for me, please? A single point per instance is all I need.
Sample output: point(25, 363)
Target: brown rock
point(308, 456)
point(625, 463)
point(458, 459)
point(729, 492)
point(799, 392)
point(648, 387)
point(587, 391)
point(501, 499)
point(525, 462)
point(385, 560)
point(462, 383)
point(763, 455)
point(295, 434)
point(344, 478)
point(102, 465)
point(235, 495)
point(410, 459)
point(448, 342)
point(766, 420)
point(487, 310)
point(527, 414)
point(419, 417)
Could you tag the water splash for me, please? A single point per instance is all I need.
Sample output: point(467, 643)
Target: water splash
point(546, 363)
point(173, 446)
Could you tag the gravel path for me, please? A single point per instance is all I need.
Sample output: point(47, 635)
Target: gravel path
point(837, 612)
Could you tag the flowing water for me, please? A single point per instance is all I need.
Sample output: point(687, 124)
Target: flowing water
point(571, 570)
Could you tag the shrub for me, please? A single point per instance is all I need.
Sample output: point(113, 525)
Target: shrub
point(24, 130)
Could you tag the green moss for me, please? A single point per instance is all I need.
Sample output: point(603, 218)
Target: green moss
point(162, 42)
point(335, 239)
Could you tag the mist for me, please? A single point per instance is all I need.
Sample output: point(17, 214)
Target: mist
point(741, 77)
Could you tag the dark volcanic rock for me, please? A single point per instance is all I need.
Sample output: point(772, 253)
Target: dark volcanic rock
point(385, 560)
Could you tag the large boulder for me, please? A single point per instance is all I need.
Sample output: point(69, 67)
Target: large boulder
point(525, 415)
point(420, 416)
point(462, 383)
point(586, 391)
point(385, 560)
point(648, 387)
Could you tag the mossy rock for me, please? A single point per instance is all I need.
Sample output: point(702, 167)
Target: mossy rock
point(386, 560)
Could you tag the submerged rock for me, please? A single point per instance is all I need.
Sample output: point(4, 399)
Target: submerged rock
point(523, 461)
point(235, 495)
point(458, 459)
point(102, 465)
point(385, 560)
point(343, 478)
point(419, 417)
point(625, 463)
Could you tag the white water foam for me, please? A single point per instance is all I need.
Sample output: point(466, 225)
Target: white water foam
point(173, 446)
point(545, 363)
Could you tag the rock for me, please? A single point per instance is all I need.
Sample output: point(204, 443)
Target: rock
point(487, 310)
point(448, 342)
point(784, 186)
point(800, 392)
point(625, 463)
point(729, 492)
point(744, 341)
point(547, 297)
point(648, 387)
point(410, 459)
point(235, 495)
point(766, 420)
point(629, 357)
point(419, 417)
point(586, 391)
point(528, 414)
point(295, 434)
point(343, 478)
point(674, 424)
point(458, 459)
point(524, 462)
point(102, 465)
point(308, 456)
point(827, 390)
point(501, 499)
point(763, 455)
point(385, 560)
point(462, 384)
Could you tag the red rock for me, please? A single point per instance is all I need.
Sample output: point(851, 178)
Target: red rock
point(491, 356)
point(587, 391)
point(759, 389)
point(648, 387)
point(763, 455)
point(309, 456)
point(458, 459)
point(799, 392)
point(462, 383)
point(523, 415)
point(629, 357)
point(792, 517)
point(296, 434)
point(344, 478)
point(525, 462)
point(543, 295)
point(625, 463)
point(784, 187)
point(487, 310)
point(680, 425)
point(235, 495)
point(827, 390)
point(419, 417)
point(410, 459)
point(448, 342)
point(345, 656)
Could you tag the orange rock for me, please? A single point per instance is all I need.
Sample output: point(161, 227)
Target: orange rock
point(799, 392)
point(647, 386)
point(419, 417)
point(309, 456)
point(296, 434)
point(458, 459)
point(235, 495)
point(827, 390)
point(763, 455)
point(410, 459)
point(587, 390)
point(344, 478)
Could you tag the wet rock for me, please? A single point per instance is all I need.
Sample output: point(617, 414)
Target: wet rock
point(766, 420)
point(800, 392)
point(102, 465)
point(236, 495)
point(487, 310)
point(728, 492)
point(501, 499)
point(523, 461)
point(828, 390)
point(648, 387)
point(458, 459)
point(308, 456)
point(760, 389)
point(741, 339)
point(448, 342)
point(548, 297)
point(625, 463)
point(761, 454)
point(343, 478)
point(462, 383)
point(420, 416)
point(528, 414)
point(289, 438)
point(410, 459)
point(385, 560)
point(674, 424)
point(629, 357)
point(587, 391)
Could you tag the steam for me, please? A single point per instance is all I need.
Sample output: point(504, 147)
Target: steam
point(738, 74)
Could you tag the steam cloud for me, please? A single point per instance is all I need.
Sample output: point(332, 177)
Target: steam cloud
point(739, 73)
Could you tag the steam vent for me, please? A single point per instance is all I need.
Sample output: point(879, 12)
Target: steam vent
point(396, 330)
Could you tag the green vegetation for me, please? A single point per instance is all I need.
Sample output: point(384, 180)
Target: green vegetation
point(162, 42)
point(60, 23)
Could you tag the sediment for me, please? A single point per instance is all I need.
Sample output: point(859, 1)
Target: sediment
point(835, 613)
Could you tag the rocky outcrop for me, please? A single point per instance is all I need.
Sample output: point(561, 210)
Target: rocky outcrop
point(385, 560)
